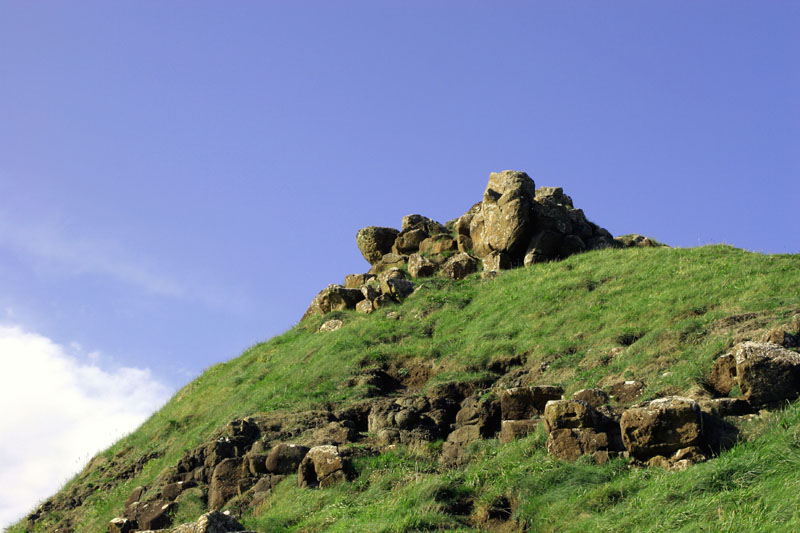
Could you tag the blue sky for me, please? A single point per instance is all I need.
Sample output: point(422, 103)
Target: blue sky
point(177, 180)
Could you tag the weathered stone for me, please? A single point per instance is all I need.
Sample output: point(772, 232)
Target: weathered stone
point(568, 414)
point(365, 306)
point(516, 429)
point(504, 220)
point(391, 273)
point(555, 194)
point(135, 496)
point(172, 490)
point(544, 393)
point(543, 246)
point(661, 427)
point(121, 525)
point(322, 466)
point(627, 391)
point(213, 522)
point(634, 240)
point(720, 407)
point(593, 397)
point(465, 435)
point(374, 242)
point(459, 266)
point(782, 337)
point(390, 260)
point(571, 245)
point(333, 298)
point(569, 444)
point(229, 480)
point(355, 281)
point(767, 373)
point(382, 301)
point(408, 241)
point(330, 325)
point(154, 514)
point(517, 404)
point(334, 433)
point(256, 462)
point(723, 374)
point(438, 244)
point(421, 267)
point(496, 261)
point(398, 289)
point(431, 227)
point(284, 458)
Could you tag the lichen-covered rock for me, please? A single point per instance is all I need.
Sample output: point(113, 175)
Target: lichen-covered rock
point(782, 337)
point(365, 306)
point(330, 325)
point(767, 373)
point(504, 221)
point(333, 298)
point(429, 226)
point(662, 427)
point(355, 281)
point(569, 444)
point(375, 241)
point(390, 260)
point(516, 429)
point(568, 414)
point(322, 466)
point(397, 288)
point(421, 267)
point(213, 522)
point(594, 397)
point(408, 241)
point(438, 244)
point(459, 266)
point(229, 480)
point(285, 458)
point(121, 525)
point(627, 391)
point(723, 374)
point(634, 240)
point(496, 261)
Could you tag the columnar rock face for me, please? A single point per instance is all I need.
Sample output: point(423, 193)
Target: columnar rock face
point(661, 427)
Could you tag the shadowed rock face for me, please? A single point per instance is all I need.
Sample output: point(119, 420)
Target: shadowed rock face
point(767, 373)
point(661, 427)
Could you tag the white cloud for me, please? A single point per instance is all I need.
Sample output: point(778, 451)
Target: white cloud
point(57, 412)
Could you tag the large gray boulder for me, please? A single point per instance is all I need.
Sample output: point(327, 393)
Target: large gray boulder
point(661, 427)
point(374, 242)
point(767, 373)
point(504, 221)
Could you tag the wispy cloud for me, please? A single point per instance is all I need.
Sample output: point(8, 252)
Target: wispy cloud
point(77, 256)
point(58, 412)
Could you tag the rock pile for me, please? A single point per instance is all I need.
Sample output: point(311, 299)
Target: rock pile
point(514, 224)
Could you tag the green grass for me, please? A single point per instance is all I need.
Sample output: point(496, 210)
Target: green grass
point(652, 314)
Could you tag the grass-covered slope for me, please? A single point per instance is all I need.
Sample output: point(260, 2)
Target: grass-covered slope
point(658, 315)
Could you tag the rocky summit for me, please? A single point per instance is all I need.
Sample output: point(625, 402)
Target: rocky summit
point(515, 369)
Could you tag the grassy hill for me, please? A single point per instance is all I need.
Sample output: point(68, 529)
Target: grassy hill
point(657, 315)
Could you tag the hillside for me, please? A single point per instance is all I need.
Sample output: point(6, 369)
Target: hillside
point(639, 323)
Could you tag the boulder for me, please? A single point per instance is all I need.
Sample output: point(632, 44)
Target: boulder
point(256, 462)
point(661, 427)
point(155, 514)
point(438, 244)
point(330, 325)
point(430, 226)
point(504, 221)
point(627, 391)
point(482, 413)
point(390, 260)
point(336, 433)
point(782, 337)
point(568, 414)
point(517, 404)
point(594, 397)
point(228, 480)
point(121, 525)
point(421, 267)
point(355, 281)
point(408, 241)
point(135, 496)
point(365, 306)
point(171, 491)
point(723, 374)
point(333, 298)
point(322, 466)
point(213, 522)
point(398, 289)
point(634, 240)
point(553, 194)
point(459, 266)
point(543, 246)
point(375, 241)
point(569, 444)
point(542, 394)
point(285, 458)
point(516, 429)
point(767, 373)
point(496, 261)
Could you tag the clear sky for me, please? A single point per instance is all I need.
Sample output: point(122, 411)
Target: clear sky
point(178, 179)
